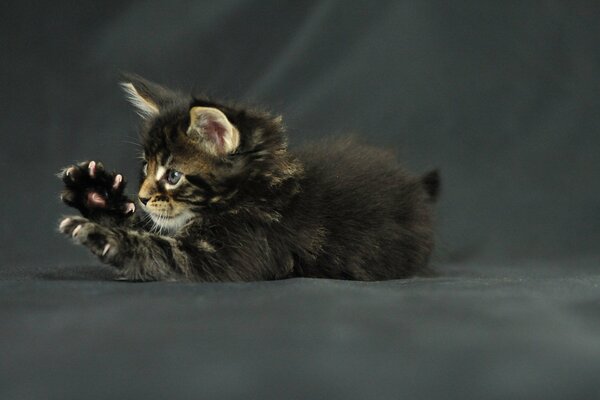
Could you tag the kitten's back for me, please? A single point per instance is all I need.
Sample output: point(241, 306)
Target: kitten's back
point(377, 216)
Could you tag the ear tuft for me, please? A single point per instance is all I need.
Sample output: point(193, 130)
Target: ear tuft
point(149, 98)
point(216, 133)
point(145, 107)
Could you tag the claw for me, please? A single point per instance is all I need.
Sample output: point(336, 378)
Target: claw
point(76, 230)
point(129, 208)
point(65, 173)
point(106, 249)
point(118, 180)
point(92, 168)
point(64, 223)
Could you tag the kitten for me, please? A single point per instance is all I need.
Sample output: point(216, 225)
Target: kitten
point(221, 198)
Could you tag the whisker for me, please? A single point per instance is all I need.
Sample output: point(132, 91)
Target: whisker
point(133, 143)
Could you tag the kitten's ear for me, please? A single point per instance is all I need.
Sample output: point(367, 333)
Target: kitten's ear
point(214, 131)
point(147, 97)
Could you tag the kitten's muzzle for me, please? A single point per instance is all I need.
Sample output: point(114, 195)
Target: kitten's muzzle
point(144, 200)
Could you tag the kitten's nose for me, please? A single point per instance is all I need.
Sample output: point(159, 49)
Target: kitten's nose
point(144, 200)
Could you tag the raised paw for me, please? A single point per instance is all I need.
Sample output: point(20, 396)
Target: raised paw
point(99, 239)
point(94, 191)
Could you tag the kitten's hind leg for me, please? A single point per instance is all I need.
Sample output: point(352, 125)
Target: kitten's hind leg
point(96, 193)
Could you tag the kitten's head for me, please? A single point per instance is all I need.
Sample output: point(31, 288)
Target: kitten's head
point(201, 156)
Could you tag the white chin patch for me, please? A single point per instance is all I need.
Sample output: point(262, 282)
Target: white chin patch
point(171, 225)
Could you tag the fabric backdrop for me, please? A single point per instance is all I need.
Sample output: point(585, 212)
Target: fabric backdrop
point(502, 97)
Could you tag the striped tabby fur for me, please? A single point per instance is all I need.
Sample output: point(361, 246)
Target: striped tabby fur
point(222, 198)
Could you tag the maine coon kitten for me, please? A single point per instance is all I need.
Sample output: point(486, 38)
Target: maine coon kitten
point(221, 198)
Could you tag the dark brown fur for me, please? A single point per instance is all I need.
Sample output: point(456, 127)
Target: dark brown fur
point(334, 209)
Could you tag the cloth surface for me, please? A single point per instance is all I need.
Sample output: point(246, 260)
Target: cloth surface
point(502, 98)
point(505, 334)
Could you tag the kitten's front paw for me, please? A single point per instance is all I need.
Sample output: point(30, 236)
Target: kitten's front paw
point(100, 240)
point(94, 191)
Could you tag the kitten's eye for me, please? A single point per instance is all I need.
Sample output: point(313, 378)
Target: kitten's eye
point(173, 176)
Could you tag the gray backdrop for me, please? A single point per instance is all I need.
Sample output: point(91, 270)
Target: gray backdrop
point(503, 97)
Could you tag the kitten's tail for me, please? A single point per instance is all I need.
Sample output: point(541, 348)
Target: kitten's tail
point(431, 184)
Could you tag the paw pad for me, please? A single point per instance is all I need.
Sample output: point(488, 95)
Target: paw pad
point(118, 180)
point(95, 200)
point(94, 191)
point(92, 168)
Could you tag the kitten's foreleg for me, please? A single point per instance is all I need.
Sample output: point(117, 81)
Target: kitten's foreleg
point(139, 255)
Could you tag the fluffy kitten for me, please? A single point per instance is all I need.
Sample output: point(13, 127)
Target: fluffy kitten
point(223, 199)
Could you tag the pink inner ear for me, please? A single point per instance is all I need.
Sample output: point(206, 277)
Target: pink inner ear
point(216, 132)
